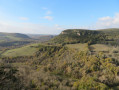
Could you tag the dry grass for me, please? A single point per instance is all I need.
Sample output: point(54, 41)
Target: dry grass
point(99, 47)
point(79, 46)
point(109, 51)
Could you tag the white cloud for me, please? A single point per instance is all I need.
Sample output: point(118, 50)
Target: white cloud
point(108, 22)
point(101, 23)
point(48, 18)
point(56, 25)
point(29, 28)
point(23, 18)
point(105, 18)
point(116, 19)
point(48, 12)
point(10, 26)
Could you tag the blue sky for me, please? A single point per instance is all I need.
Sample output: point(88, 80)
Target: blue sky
point(53, 16)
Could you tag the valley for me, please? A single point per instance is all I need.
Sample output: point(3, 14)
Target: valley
point(73, 60)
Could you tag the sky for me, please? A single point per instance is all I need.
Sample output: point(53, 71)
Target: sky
point(54, 16)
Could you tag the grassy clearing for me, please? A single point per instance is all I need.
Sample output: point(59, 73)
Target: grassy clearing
point(103, 48)
point(100, 47)
point(23, 51)
point(79, 46)
point(109, 51)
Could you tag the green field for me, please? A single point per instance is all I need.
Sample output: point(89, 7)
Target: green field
point(23, 51)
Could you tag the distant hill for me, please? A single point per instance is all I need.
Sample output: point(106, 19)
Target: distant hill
point(12, 36)
point(110, 36)
point(41, 37)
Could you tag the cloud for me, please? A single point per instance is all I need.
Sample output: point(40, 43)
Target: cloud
point(50, 18)
point(105, 18)
point(48, 12)
point(12, 26)
point(56, 25)
point(108, 22)
point(29, 28)
point(101, 23)
point(23, 18)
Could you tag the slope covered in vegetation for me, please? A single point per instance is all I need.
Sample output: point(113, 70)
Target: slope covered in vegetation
point(12, 36)
point(105, 36)
point(65, 65)
point(22, 51)
point(66, 68)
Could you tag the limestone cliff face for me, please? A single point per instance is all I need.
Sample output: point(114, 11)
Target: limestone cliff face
point(78, 34)
point(63, 32)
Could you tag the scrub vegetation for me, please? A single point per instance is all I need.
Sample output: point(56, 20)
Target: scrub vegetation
point(73, 60)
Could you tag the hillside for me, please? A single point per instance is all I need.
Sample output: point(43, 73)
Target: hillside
point(16, 40)
point(69, 67)
point(68, 64)
point(104, 36)
point(12, 36)
point(22, 51)
point(41, 37)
